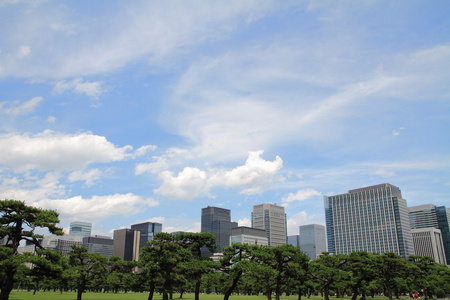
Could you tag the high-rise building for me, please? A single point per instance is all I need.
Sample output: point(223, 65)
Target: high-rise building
point(312, 240)
point(249, 236)
point(294, 240)
point(147, 230)
point(430, 223)
point(126, 244)
point(217, 221)
point(80, 228)
point(272, 219)
point(103, 245)
point(373, 219)
point(62, 243)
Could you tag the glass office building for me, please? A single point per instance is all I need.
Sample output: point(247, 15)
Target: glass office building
point(217, 221)
point(272, 219)
point(373, 219)
point(80, 228)
point(147, 231)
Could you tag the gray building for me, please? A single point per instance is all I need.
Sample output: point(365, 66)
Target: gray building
point(62, 243)
point(294, 240)
point(147, 231)
point(217, 221)
point(433, 222)
point(249, 236)
point(80, 228)
point(312, 240)
point(373, 219)
point(272, 219)
point(103, 245)
point(126, 244)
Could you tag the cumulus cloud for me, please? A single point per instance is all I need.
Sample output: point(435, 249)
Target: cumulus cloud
point(89, 177)
point(97, 207)
point(245, 222)
point(301, 218)
point(16, 108)
point(50, 150)
point(253, 177)
point(301, 195)
point(91, 89)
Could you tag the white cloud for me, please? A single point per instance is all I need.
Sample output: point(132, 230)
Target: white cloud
point(301, 195)
point(178, 223)
point(301, 218)
point(188, 184)
point(245, 222)
point(16, 108)
point(51, 119)
point(89, 177)
point(91, 89)
point(50, 150)
point(97, 207)
point(397, 131)
point(24, 51)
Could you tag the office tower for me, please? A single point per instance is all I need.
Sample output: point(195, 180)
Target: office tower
point(80, 228)
point(249, 236)
point(147, 230)
point(272, 219)
point(294, 240)
point(430, 219)
point(126, 244)
point(312, 240)
point(373, 219)
point(62, 243)
point(103, 245)
point(217, 221)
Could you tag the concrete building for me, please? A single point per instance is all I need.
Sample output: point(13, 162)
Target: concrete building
point(249, 236)
point(103, 245)
point(62, 243)
point(294, 240)
point(80, 228)
point(147, 231)
point(126, 244)
point(373, 219)
point(433, 223)
point(272, 219)
point(312, 240)
point(428, 242)
point(217, 221)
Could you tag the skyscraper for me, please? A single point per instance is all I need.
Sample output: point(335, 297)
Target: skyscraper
point(126, 244)
point(80, 228)
point(147, 231)
point(373, 219)
point(103, 245)
point(312, 240)
point(272, 219)
point(248, 236)
point(430, 229)
point(217, 221)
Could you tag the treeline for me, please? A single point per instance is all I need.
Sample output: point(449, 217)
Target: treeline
point(173, 264)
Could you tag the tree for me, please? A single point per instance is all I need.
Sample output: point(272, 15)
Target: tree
point(361, 267)
point(18, 222)
point(88, 267)
point(392, 267)
point(198, 265)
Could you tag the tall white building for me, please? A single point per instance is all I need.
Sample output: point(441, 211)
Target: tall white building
point(272, 219)
point(312, 240)
point(428, 242)
point(373, 219)
point(80, 228)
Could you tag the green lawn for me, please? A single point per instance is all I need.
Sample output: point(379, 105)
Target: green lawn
point(131, 296)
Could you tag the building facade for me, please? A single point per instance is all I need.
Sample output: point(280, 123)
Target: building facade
point(312, 240)
point(428, 242)
point(294, 240)
point(103, 245)
point(249, 236)
point(272, 219)
point(217, 220)
point(126, 244)
point(430, 219)
point(147, 231)
point(373, 219)
point(80, 228)
point(62, 243)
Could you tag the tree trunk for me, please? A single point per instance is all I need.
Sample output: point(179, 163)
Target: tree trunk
point(197, 290)
point(299, 294)
point(326, 291)
point(151, 292)
point(8, 283)
point(232, 285)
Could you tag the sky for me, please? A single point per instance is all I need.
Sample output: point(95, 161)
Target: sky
point(122, 112)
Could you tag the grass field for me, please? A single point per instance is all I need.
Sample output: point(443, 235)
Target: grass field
point(142, 296)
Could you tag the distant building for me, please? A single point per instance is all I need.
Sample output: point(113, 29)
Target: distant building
point(431, 223)
point(249, 236)
point(373, 219)
point(80, 228)
point(217, 221)
point(272, 219)
point(62, 243)
point(294, 240)
point(126, 244)
point(103, 245)
point(312, 240)
point(147, 231)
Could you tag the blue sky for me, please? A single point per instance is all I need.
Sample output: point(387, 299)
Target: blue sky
point(119, 112)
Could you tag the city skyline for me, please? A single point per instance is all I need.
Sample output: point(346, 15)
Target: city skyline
point(125, 112)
